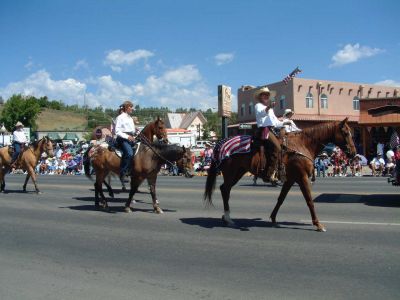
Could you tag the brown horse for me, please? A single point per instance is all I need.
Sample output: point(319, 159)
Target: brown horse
point(27, 160)
point(298, 159)
point(155, 129)
point(146, 165)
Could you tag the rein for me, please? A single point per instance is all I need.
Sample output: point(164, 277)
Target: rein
point(146, 141)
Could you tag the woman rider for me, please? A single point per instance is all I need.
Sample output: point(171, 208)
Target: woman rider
point(125, 131)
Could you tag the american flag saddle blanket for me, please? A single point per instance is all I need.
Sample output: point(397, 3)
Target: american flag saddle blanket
point(230, 146)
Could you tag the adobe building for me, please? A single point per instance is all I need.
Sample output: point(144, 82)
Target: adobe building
point(315, 101)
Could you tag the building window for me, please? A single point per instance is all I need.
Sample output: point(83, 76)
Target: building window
point(356, 103)
point(282, 102)
point(242, 108)
point(324, 101)
point(309, 101)
point(251, 108)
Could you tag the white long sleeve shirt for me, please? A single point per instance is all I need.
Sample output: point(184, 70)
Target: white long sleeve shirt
point(265, 119)
point(292, 127)
point(123, 125)
point(19, 136)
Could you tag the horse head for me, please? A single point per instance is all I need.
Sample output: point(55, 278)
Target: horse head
point(160, 131)
point(185, 163)
point(344, 138)
point(46, 145)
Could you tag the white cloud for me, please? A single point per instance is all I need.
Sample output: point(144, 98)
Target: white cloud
point(223, 58)
point(108, 92)
point(388, 82)
point(41, 84)
point(352, 53)
point(81, 64)
point(180, 87)
point(118, 58)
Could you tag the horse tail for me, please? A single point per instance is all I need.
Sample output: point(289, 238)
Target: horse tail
point(210, 183)
point(86, 162)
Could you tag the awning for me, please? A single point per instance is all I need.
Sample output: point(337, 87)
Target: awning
point(54, 136)
point(70, 136)
point(384, 110)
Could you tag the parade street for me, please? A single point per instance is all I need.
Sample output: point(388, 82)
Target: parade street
point(58, 246)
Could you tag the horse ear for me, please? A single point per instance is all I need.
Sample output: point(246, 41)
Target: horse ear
point(344, 121)
point(158, 118)
point(183, 148)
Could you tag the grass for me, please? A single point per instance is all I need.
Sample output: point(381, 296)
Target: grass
point(50, 119)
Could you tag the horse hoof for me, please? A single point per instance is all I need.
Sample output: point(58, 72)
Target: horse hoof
point(158, 211)
point(127, 209)
point(322, 229)
point(228, 223)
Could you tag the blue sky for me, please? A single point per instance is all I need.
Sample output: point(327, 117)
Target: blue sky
point(175, 53)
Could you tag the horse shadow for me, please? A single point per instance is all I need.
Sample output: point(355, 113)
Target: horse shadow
point(380, 200)
point(244, 224)
point(120, 191)
point(20, 192)
point(112, 209)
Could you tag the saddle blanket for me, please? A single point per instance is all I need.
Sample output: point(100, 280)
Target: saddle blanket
point(231, 146)
point(117, 151)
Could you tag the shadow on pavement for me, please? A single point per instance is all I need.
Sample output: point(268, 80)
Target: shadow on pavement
point(109, 199)
point(120, 191)
point(244, 224)
point(382, 200)
point(113, 209)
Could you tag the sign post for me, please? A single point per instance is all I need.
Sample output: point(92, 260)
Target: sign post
point(224, 107)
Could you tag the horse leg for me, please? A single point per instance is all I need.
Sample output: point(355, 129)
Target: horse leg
point(2, 181)
point(99, 188)
point(229, 182)
point(96, 196)
point(306, 190)
point(31, 173)
point(26, 182)
point(152, 185)
point(284, 191)
point(123, 184)
point(109, 189)
point(135, 182)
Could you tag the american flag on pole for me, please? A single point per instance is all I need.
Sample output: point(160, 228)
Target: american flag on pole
point(291, 75)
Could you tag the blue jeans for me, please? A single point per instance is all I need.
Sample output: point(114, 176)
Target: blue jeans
point(319, 169)
point(126, 160)
point(17, 150)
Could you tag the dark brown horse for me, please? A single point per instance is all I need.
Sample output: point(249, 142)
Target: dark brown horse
point(298, 159)
point(27, 161)
point(155, 129)
point(146, 165)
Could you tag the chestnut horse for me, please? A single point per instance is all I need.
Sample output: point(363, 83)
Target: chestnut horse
point(27, 160)
point(146, 165)
point(298, 159)
point(151, 130)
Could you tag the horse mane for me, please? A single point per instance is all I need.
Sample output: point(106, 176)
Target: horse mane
point(166, 150)
point(315, 132)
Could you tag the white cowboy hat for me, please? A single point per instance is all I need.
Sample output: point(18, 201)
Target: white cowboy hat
point(288, 111)
point(263, 90)
point(19, 124)
point(324, 154)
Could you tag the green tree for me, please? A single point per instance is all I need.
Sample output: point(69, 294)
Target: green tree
point(20, 108)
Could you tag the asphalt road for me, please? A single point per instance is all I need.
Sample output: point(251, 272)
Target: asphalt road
point(57, 246)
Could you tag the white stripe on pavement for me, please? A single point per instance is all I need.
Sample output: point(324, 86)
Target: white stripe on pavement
point(356, 223)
